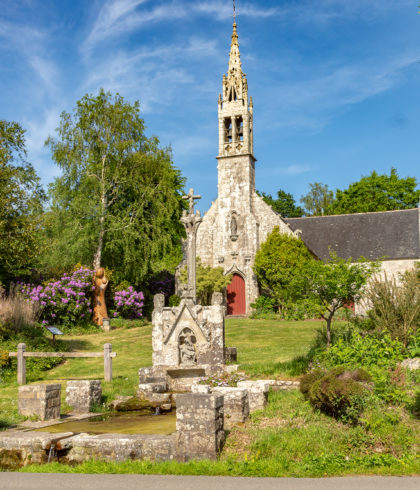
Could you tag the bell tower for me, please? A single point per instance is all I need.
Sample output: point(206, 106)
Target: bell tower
point(235, 109)
point(236, 161)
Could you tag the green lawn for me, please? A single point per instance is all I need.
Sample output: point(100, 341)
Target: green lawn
point(262, 345)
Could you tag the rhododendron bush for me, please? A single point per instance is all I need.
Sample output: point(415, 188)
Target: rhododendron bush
point(66, 301)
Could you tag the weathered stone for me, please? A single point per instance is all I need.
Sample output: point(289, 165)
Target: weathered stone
point(121, 447)
point(236, 404)
point(133, 403)
point(160, 387)
point(257, 393)
point(203, 389)
point(42, 400)
point(120, 400)
point(156, 398)
point(82, 395)
point(199, 424)
point(166, 407)
point(411, 364)
point(231, 354)
point(18, 448)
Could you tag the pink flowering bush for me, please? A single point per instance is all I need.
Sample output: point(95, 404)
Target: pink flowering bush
point(128, 303)
point(66, 301)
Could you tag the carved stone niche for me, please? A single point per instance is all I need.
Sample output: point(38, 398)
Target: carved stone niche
point(187, 347)
point(233, 226)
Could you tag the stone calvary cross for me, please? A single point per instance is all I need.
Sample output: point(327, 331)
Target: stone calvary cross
point(191, 222)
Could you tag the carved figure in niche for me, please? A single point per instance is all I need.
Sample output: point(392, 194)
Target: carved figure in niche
point(186, 347)
point(99, 310)
point(233, 227)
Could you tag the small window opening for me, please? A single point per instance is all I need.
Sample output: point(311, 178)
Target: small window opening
point(232, 94)
point(228, 130)
point(240, 129)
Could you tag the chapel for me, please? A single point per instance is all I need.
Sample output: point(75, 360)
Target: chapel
point(238, 221)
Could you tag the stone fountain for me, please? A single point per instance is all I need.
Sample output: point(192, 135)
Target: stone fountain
point(188, 340)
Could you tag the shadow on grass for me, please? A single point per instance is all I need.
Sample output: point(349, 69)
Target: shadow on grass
point(4, 424)
point(79, 344)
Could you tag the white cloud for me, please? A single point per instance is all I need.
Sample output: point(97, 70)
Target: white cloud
point(310, 102)
point(124, 16)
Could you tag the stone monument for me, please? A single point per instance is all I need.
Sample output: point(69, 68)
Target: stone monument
point(188, 340)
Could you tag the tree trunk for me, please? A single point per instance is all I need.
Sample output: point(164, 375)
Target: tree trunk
point(329, 319)
point(98, 254)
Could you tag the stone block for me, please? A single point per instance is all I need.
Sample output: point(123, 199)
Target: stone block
point(42, 400)
point(160, 387)
point(155, 398)
point(203, 389)
point(231, 354)
point(257, 393)
point(236, 405)
point(81, 395)
point(199, 424)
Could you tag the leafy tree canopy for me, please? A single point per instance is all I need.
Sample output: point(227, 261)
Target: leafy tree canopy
point(21, 200)
point(277, 262)
point(118, 201)
point(209, 280)
point(319, 200)
point(334, 284)
point(285, 204)
point(377, 192)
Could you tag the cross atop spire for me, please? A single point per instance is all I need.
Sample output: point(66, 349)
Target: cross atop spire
point(234, 12)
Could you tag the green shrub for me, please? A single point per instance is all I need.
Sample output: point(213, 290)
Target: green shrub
point(340, 393)
point(264, 304)
point(396, 305)
point(363, 351)
point(174, 300)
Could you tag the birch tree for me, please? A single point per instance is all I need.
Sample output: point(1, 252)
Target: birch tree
point(118, 200)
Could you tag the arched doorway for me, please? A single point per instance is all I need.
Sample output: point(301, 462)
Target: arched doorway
point(236, 302)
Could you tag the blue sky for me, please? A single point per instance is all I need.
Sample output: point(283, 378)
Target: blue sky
point(335, 82)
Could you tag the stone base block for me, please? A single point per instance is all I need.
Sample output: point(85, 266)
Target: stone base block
point(203, 389)
point(42, 400)
point(257, 393)
point(81, 395)
point(236, 405)
point(199, 425)
point(231, 354)
point(160, 387)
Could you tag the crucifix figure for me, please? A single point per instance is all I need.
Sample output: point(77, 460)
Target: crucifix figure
point(190, 197)
point(191, 221)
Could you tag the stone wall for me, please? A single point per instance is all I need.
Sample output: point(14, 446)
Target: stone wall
point(390, 269)
point(255, 220)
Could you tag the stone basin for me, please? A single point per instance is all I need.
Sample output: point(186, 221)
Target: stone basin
point(118, 423)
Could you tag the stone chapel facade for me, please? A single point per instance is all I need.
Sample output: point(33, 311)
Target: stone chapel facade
point(239, 220)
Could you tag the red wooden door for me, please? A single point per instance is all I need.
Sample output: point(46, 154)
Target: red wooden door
point(236, 303)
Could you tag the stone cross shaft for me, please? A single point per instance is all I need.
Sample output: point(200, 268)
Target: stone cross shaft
point(191, 221)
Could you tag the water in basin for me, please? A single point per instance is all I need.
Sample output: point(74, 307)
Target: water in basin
point(119, 423)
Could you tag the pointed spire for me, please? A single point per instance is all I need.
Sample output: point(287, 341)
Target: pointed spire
point(234, 57)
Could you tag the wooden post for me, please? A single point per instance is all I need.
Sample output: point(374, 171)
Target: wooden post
point(107, 362)
point(21, 364)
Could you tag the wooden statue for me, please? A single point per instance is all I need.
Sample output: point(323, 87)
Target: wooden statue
point(99, 310)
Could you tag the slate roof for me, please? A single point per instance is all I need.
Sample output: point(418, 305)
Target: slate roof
point(388, 234)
